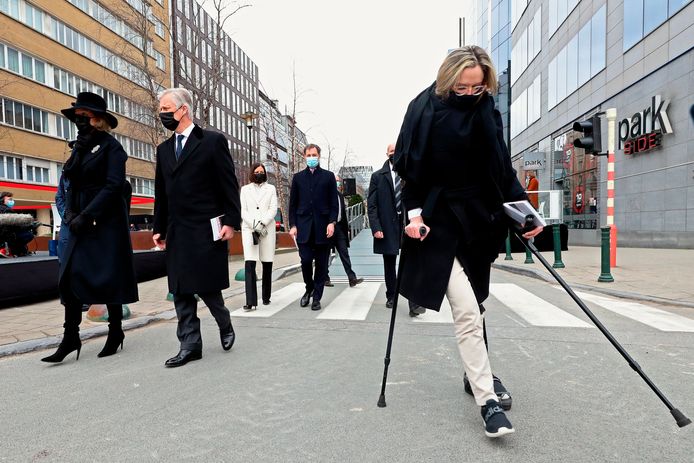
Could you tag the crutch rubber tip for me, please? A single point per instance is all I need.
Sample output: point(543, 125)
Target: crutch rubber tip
point(382, 401)
point(681, 420)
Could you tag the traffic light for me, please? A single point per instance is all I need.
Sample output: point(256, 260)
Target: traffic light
point(591, 141)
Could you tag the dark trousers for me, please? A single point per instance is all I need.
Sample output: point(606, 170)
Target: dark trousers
point(308, 252)
point(18, 242)
point(188, 330)
point(341, 246)
point(252, 278)
point(389, 274)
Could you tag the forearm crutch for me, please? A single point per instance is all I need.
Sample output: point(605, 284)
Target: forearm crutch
point(680, 418)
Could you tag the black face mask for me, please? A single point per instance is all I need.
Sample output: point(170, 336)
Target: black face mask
point(82, 123)
point(260, 178)
point(168, 120)
point(462, 101)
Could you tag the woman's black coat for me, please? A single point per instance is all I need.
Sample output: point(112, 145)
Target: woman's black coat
point(466, 222)
point(189, 192)
point(98, 265)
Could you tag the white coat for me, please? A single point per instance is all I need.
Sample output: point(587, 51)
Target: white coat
point(258, 204)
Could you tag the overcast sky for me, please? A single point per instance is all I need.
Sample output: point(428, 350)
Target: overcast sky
point(358, 63)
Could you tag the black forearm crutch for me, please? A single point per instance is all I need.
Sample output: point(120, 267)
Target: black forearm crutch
point(678, 415)
point(386, 360)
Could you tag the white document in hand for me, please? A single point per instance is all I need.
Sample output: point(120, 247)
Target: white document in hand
point(518, 210)
point(216, 224)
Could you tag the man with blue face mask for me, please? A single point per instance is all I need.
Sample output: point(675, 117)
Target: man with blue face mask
point(16, 237)
point(313, 210)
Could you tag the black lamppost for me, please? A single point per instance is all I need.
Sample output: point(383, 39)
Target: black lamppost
point(248, 118)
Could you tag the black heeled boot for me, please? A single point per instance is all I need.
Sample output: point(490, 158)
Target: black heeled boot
point(115, 331)
point(70, 343)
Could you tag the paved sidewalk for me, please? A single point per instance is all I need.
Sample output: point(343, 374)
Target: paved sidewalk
point(40, 325)
point(665, 276)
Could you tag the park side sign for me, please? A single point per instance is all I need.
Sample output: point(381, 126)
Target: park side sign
point(646, 128)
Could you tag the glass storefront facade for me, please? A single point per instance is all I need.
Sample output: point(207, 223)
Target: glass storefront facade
point(576, 173)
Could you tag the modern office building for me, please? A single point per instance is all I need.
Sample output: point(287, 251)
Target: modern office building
point(222, 78)
point(52, 49)
point(493, 24)
point(572, 59)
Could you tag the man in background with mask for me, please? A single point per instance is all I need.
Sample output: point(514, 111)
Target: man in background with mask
point(195, 182)
point(386, 218)
point(342, 239)
point(18, 238)
point(313, 209)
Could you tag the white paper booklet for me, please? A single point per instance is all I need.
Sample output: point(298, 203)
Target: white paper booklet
point(518, 210)
point(216, 224)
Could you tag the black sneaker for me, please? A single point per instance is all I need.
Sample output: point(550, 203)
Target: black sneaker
point(495, 422)
point(504, 396)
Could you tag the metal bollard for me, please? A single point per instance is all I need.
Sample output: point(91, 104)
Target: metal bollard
point(528, 257)
point(605, 275)
point(508, 246)
point(556, 237)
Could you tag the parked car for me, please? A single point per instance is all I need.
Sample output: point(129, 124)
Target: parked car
point(279, 225)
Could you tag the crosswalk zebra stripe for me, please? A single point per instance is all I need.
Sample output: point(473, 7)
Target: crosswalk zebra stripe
point(656, 318)
point(444, 315)
point(352, 303)
point(280, 299)
point(533, 309)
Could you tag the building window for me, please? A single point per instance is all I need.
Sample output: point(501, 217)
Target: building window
point(37, 174)
point(526, 108)
point(558, 11)
point(10, 167)
point(641, 17)
point(527, 47)
point(142, 186)
point(579, 61)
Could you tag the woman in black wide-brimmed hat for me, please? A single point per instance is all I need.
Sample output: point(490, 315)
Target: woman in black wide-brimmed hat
point(97, 266)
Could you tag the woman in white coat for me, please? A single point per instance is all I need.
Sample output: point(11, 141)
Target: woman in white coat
point(258, 209)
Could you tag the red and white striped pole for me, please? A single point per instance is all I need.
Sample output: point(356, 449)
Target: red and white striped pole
point(611, 115)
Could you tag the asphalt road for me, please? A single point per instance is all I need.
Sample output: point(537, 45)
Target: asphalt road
point(298, 388)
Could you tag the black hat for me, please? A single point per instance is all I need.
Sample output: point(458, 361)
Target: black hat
point(95, 104)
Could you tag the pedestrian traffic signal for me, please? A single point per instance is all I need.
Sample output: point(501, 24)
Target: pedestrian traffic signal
point(591, 141)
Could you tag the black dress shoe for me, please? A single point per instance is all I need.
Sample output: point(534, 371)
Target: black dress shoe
point(316, 305)
point(305, 298)
point(184, 356)
point(228, 339)
point(355, 281)
point(328, 283)
point(266, 301)
point(416, 310)
point(389, 304)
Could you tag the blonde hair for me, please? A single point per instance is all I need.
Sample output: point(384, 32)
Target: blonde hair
point(99, 123)
point(460, 59)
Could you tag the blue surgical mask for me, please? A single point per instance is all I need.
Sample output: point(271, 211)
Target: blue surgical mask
point(312, 162)
point(339, 184)
point(10, 203)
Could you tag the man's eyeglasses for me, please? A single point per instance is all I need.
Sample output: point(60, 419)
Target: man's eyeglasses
point(461, 90)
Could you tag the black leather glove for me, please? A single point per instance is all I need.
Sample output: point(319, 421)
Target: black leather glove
point(69, 216)
point(81, 223)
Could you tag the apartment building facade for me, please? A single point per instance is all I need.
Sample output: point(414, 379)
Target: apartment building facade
point(50, 50)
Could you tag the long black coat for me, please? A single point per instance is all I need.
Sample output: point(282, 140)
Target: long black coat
point(313, 204)
point(188, 193)
point(383, 216)
point(98, 262)
point(465, 211)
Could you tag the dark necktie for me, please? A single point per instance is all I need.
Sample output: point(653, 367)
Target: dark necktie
point(179, 145)
point(398, 192)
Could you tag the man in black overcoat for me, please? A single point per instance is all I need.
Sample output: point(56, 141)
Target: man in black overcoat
point(313, 208)
point(386, 220)
point(195, 182)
